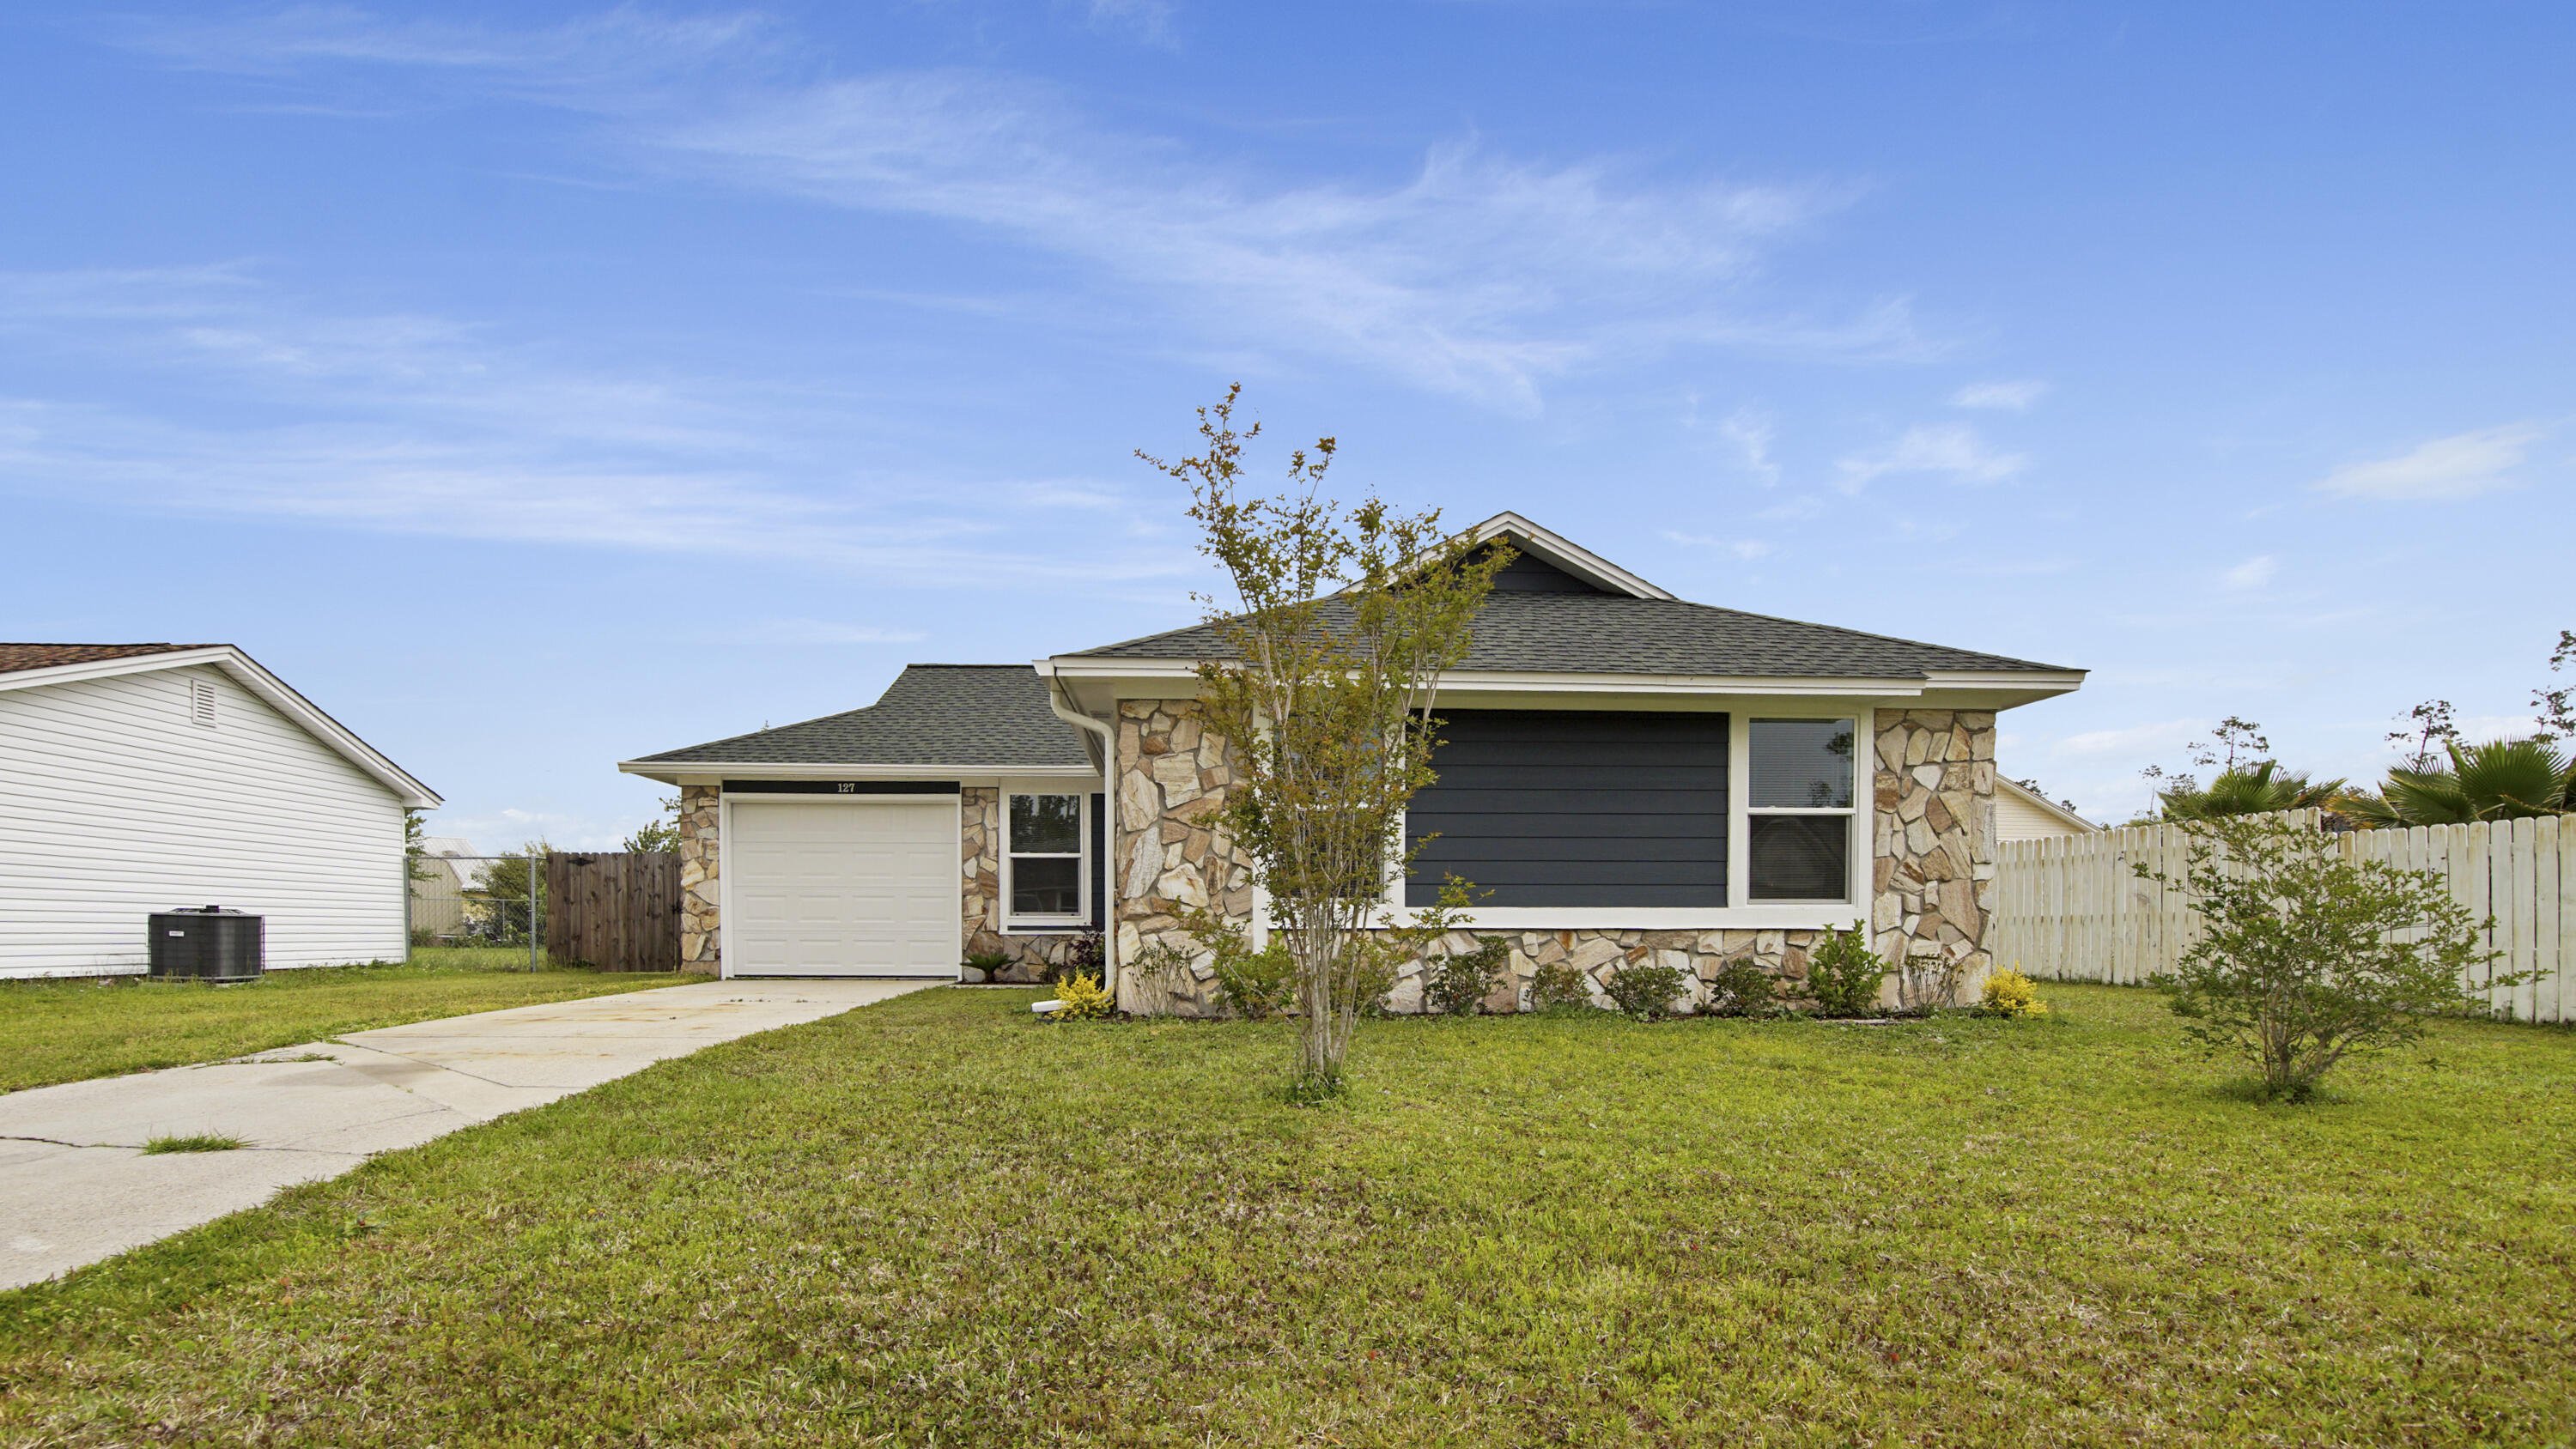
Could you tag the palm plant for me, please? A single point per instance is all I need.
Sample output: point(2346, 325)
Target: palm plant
point(2262, 788)
point(2497, 780)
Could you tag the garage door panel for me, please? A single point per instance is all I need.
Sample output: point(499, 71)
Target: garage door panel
point(842, 889)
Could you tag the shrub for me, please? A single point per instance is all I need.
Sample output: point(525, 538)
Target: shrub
point(1456, 985)
point(2305, 958)
point(1741, 988)
point(1557, 987)
point(1083, 956)
point(1084, 999)
point(1644, 990)
point(1843, 975)
point(2009, 993)
point(988, 962)
point(1256, 984)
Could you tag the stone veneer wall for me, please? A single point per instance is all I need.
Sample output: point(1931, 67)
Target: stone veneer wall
point(1172, 779)
point(1932, 869)
point(699, 858)
point(1934, 828)
point(980, 894)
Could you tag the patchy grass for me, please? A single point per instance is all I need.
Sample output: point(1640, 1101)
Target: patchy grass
point(66, 1031)
point(201, 1142)
point(939, 1220)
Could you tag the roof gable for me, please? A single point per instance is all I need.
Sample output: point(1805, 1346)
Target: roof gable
point(1561, 609)
point(34, 666)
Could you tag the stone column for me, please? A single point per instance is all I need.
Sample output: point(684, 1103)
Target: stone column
point(1172, 779)
point(1934, 860)
point(700, 855)
point(979, 809)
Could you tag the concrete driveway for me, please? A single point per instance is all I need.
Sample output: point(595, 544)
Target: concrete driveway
point(75, 1186)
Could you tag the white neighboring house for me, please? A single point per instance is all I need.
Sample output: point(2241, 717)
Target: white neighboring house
point(142, 777)
point(2022, 814)
point(449, 867)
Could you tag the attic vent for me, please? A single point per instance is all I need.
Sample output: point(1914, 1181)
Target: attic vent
point(201, 702)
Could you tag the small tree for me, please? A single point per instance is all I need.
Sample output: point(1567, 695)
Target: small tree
point(2306, 958)
point(1342, 624)
point(661, 833)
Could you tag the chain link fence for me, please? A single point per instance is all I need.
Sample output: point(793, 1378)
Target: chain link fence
point(479, 900)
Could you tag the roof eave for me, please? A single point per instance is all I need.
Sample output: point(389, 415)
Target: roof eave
point(2021, 686)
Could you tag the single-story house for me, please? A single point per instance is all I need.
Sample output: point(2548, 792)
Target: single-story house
point(148, 777)
point(1624, 773)
point(447, 868)
point(2022, 813)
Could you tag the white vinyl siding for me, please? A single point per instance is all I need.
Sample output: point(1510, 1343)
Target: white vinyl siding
point(116, 801)
point(2018, 817)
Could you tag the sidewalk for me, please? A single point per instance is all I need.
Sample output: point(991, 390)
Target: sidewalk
point(75, 1186)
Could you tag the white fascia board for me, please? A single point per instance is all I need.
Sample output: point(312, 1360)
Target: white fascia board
point(1555, 549)
point(1565, 554)
point(276, 693)
point(670, 771)
point(2036, 681)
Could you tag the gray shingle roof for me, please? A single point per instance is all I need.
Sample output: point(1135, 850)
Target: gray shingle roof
point(982, 715)
point(1609, 634)
point(14, 657)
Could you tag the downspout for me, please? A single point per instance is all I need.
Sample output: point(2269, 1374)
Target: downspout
point(1109, 828)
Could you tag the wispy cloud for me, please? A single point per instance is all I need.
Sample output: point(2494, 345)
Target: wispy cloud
point(2254, 573)
point(2140, 740)
point(2459, 466)
point(1951, 449)
point(2005, 396)
point(1752, 434)
point(1747, 549)
point(1479, 274)
point(413, 424)
point(817, 631)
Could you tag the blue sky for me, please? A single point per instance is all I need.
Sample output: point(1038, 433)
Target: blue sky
point(536, 386)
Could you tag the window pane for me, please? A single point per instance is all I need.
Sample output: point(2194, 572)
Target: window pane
point(1048, 824)
point(1801, 857)
point(1046, 886)
point(1802, 763)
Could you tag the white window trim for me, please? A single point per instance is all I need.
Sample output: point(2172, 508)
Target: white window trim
point(1746, 914)
point(1015, 924)
point(1740, 805)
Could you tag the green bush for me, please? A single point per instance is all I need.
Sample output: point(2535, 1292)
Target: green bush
point(1644, 990)
point(1255, 984)
point(1843, 975)
point(1741, 988)
point(2305, 958)
point(989, 962)
point(1558, 987)
point(1457, 985)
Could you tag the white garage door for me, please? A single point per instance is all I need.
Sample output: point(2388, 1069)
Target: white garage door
point(842, 888)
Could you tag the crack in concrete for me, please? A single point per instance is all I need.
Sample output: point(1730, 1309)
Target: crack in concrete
point(245, 1147)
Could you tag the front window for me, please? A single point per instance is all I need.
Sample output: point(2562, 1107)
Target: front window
point(1800, 808)
point(1045, 859)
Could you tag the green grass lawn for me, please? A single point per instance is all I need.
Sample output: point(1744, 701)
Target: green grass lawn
point(65, 1031)
point(937, 1221)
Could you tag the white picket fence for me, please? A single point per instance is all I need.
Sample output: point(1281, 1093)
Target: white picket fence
point(2072, 907)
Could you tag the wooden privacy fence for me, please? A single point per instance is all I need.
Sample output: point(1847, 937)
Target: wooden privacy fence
point(2072, 907)
point(618, 912)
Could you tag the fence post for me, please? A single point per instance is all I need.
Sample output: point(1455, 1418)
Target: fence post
point(531, 853)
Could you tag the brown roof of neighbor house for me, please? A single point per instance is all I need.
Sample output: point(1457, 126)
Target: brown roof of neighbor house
point(14, 657)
